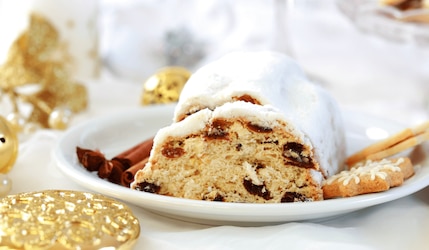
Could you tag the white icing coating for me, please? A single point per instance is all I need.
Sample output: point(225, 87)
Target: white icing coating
point(367, 168)
point(263, 75)
point(277, 81)
point(190, 125)
point(317, 176)
point(265, 116)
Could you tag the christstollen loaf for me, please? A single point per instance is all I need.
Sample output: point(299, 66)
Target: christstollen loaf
point(249, 127)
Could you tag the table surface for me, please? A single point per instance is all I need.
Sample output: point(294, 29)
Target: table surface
point(358, 69)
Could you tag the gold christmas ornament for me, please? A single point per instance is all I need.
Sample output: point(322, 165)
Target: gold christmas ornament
point(8, 146)
point(17, 122)
point(59, 118)
point(38, 60)
point(61, 219)
point(165, 85)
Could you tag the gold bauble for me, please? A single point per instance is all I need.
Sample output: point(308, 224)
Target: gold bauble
point(8, 146)
point(16, 121)
point(59, 118)
point(165, 85)
point(62, 219)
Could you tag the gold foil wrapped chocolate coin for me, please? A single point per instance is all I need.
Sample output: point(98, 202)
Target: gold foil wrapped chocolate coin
point(60, 219)
point(8, 146)
point(164, 86)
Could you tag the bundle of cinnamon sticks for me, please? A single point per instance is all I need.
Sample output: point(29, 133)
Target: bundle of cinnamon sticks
point(121, 168)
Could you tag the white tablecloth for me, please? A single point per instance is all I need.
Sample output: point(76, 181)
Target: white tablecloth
point(401, 224)
point(363, 72)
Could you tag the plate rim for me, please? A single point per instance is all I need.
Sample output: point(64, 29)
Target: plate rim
point(235, 212)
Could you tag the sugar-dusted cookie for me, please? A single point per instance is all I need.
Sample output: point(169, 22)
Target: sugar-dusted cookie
point(368, 177)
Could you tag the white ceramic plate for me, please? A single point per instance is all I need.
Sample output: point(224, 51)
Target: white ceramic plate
point(117, 132)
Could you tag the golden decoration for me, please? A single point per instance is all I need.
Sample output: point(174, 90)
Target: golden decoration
point(5, 185)
point(165, 85)
point(61, 219)
point(37, 60)
point(8, 146)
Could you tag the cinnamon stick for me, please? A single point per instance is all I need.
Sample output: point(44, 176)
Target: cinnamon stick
point(114, 169)
point(128, 175)
point(132, 149)
point(137, 154)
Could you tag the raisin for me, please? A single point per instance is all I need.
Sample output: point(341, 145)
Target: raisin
point(148, 187)
point(172, 152)
point(293, 152)
point(219, 129)
point(259, 166)
point(218, 198)
point(258, 129)
point(293, 197)
point(247, 98)
point(258, 190)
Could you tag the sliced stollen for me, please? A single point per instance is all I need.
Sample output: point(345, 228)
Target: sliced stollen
point(249, 127)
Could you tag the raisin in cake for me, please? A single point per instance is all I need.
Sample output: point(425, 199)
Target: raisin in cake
point(248, 127)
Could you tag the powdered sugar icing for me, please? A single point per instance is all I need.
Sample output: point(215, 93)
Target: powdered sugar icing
point(275, 80)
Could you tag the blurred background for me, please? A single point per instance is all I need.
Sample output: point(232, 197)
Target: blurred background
point(367, 60)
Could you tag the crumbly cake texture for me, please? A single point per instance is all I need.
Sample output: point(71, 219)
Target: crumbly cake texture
point(368, 177)
point(247, 128)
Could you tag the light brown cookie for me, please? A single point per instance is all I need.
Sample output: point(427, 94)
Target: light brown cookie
point(368, 177)
point(396, 143)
